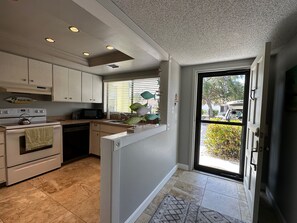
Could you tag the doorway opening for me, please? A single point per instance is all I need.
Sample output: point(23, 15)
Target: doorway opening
point(221, 120)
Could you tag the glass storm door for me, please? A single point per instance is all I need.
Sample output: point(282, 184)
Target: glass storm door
point(221, 122)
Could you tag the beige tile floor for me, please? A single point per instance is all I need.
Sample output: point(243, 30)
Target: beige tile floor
point(219, 194)
point(69, 194)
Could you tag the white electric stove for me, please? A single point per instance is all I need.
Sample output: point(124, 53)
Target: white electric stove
point(22, 165)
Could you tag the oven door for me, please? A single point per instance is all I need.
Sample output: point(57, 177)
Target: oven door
point(14, 154)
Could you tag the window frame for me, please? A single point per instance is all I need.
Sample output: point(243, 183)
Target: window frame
point(105, 90)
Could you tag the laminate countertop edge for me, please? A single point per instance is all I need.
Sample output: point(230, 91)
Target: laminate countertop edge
point(99, 121)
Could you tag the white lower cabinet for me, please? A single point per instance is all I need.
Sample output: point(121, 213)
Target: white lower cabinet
point(95, 143)
point(101, 130)
point(2, 160)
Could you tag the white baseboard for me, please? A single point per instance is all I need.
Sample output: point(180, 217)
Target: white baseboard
point(135, 215)
point(275, 206)
point(183, 166)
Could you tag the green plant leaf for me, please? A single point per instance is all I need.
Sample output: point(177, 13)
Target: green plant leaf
point(136, 106)
point(147, 95)
point(134, 120)
point(151, 117)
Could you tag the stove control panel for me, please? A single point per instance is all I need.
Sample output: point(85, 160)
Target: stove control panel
point(16, 112)
point(39, 111)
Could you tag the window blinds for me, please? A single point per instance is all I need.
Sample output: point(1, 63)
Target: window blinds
point(121, 94)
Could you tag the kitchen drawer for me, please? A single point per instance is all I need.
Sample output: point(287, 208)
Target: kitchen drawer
point(95, 126)
point(1, 149)
point(1, 137)
point(2, 175)
point(2, 162)
point(112, 129)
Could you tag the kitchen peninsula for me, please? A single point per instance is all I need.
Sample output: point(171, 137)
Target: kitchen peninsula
point(126, 167)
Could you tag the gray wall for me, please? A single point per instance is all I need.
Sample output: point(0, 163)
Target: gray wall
point(282, 176)
point(53, 108)
point(187, 102)
point(144, 164)
point(142, 167)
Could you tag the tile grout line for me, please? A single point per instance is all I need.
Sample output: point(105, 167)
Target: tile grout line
point(50, 197)
point(237, 189)
point(44, 192)
point(66, 209)
point(223, 194)
point(204, 191)
point(237, 199)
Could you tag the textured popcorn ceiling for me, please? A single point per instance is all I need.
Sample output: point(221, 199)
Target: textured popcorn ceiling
point(202, 31)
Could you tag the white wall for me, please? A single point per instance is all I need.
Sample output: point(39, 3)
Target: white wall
point(188, 102)
point(143, 165)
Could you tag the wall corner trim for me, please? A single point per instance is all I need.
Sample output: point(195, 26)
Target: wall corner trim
point(183, 166)
point(133, 217)
point(275, 206)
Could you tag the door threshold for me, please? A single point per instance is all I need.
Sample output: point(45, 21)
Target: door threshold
point(219, 176)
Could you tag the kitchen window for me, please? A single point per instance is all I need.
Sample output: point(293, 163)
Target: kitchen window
point(119, 95)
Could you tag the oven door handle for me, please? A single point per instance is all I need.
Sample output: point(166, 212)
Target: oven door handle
point(18, 131)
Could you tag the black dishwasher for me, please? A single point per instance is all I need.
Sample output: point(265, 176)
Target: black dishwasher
point(75, 142)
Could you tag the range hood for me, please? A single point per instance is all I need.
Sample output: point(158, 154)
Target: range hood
point(28, 89)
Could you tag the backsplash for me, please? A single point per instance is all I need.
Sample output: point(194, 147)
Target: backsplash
point(44, 101)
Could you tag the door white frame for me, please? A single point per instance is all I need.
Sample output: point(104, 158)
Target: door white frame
point(205, 68)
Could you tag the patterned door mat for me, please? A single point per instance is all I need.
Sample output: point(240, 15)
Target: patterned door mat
point(176, 210)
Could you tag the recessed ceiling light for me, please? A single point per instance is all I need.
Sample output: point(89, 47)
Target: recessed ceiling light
point(86, 53)
point(73, 29)
point(50, 40)
point(109, 47)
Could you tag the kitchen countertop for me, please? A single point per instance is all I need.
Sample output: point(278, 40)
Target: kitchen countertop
point(99, 121)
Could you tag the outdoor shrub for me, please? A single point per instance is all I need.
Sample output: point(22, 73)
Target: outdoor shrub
point(204, 112)
point(223, 141)
point(215, 112)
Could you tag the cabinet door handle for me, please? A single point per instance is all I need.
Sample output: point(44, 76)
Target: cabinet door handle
point(90, 99)
point(65, 98)
point(70, 98)
point(24, 79)
point(32, 80)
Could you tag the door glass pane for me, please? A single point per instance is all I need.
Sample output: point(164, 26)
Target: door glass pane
point(222, 98)
point(220, 146)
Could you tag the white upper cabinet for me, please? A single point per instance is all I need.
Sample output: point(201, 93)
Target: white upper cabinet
point(91, 88)
point(60, 83)
point(40, 73)
point(66, 84)
point(74, 86)
point(13, 69)
point(21, 70)
point(87, 92)
point(97, 89)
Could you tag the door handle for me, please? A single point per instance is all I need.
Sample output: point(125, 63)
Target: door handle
point(257, 133)
point(252, 94)
point(254, 150)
